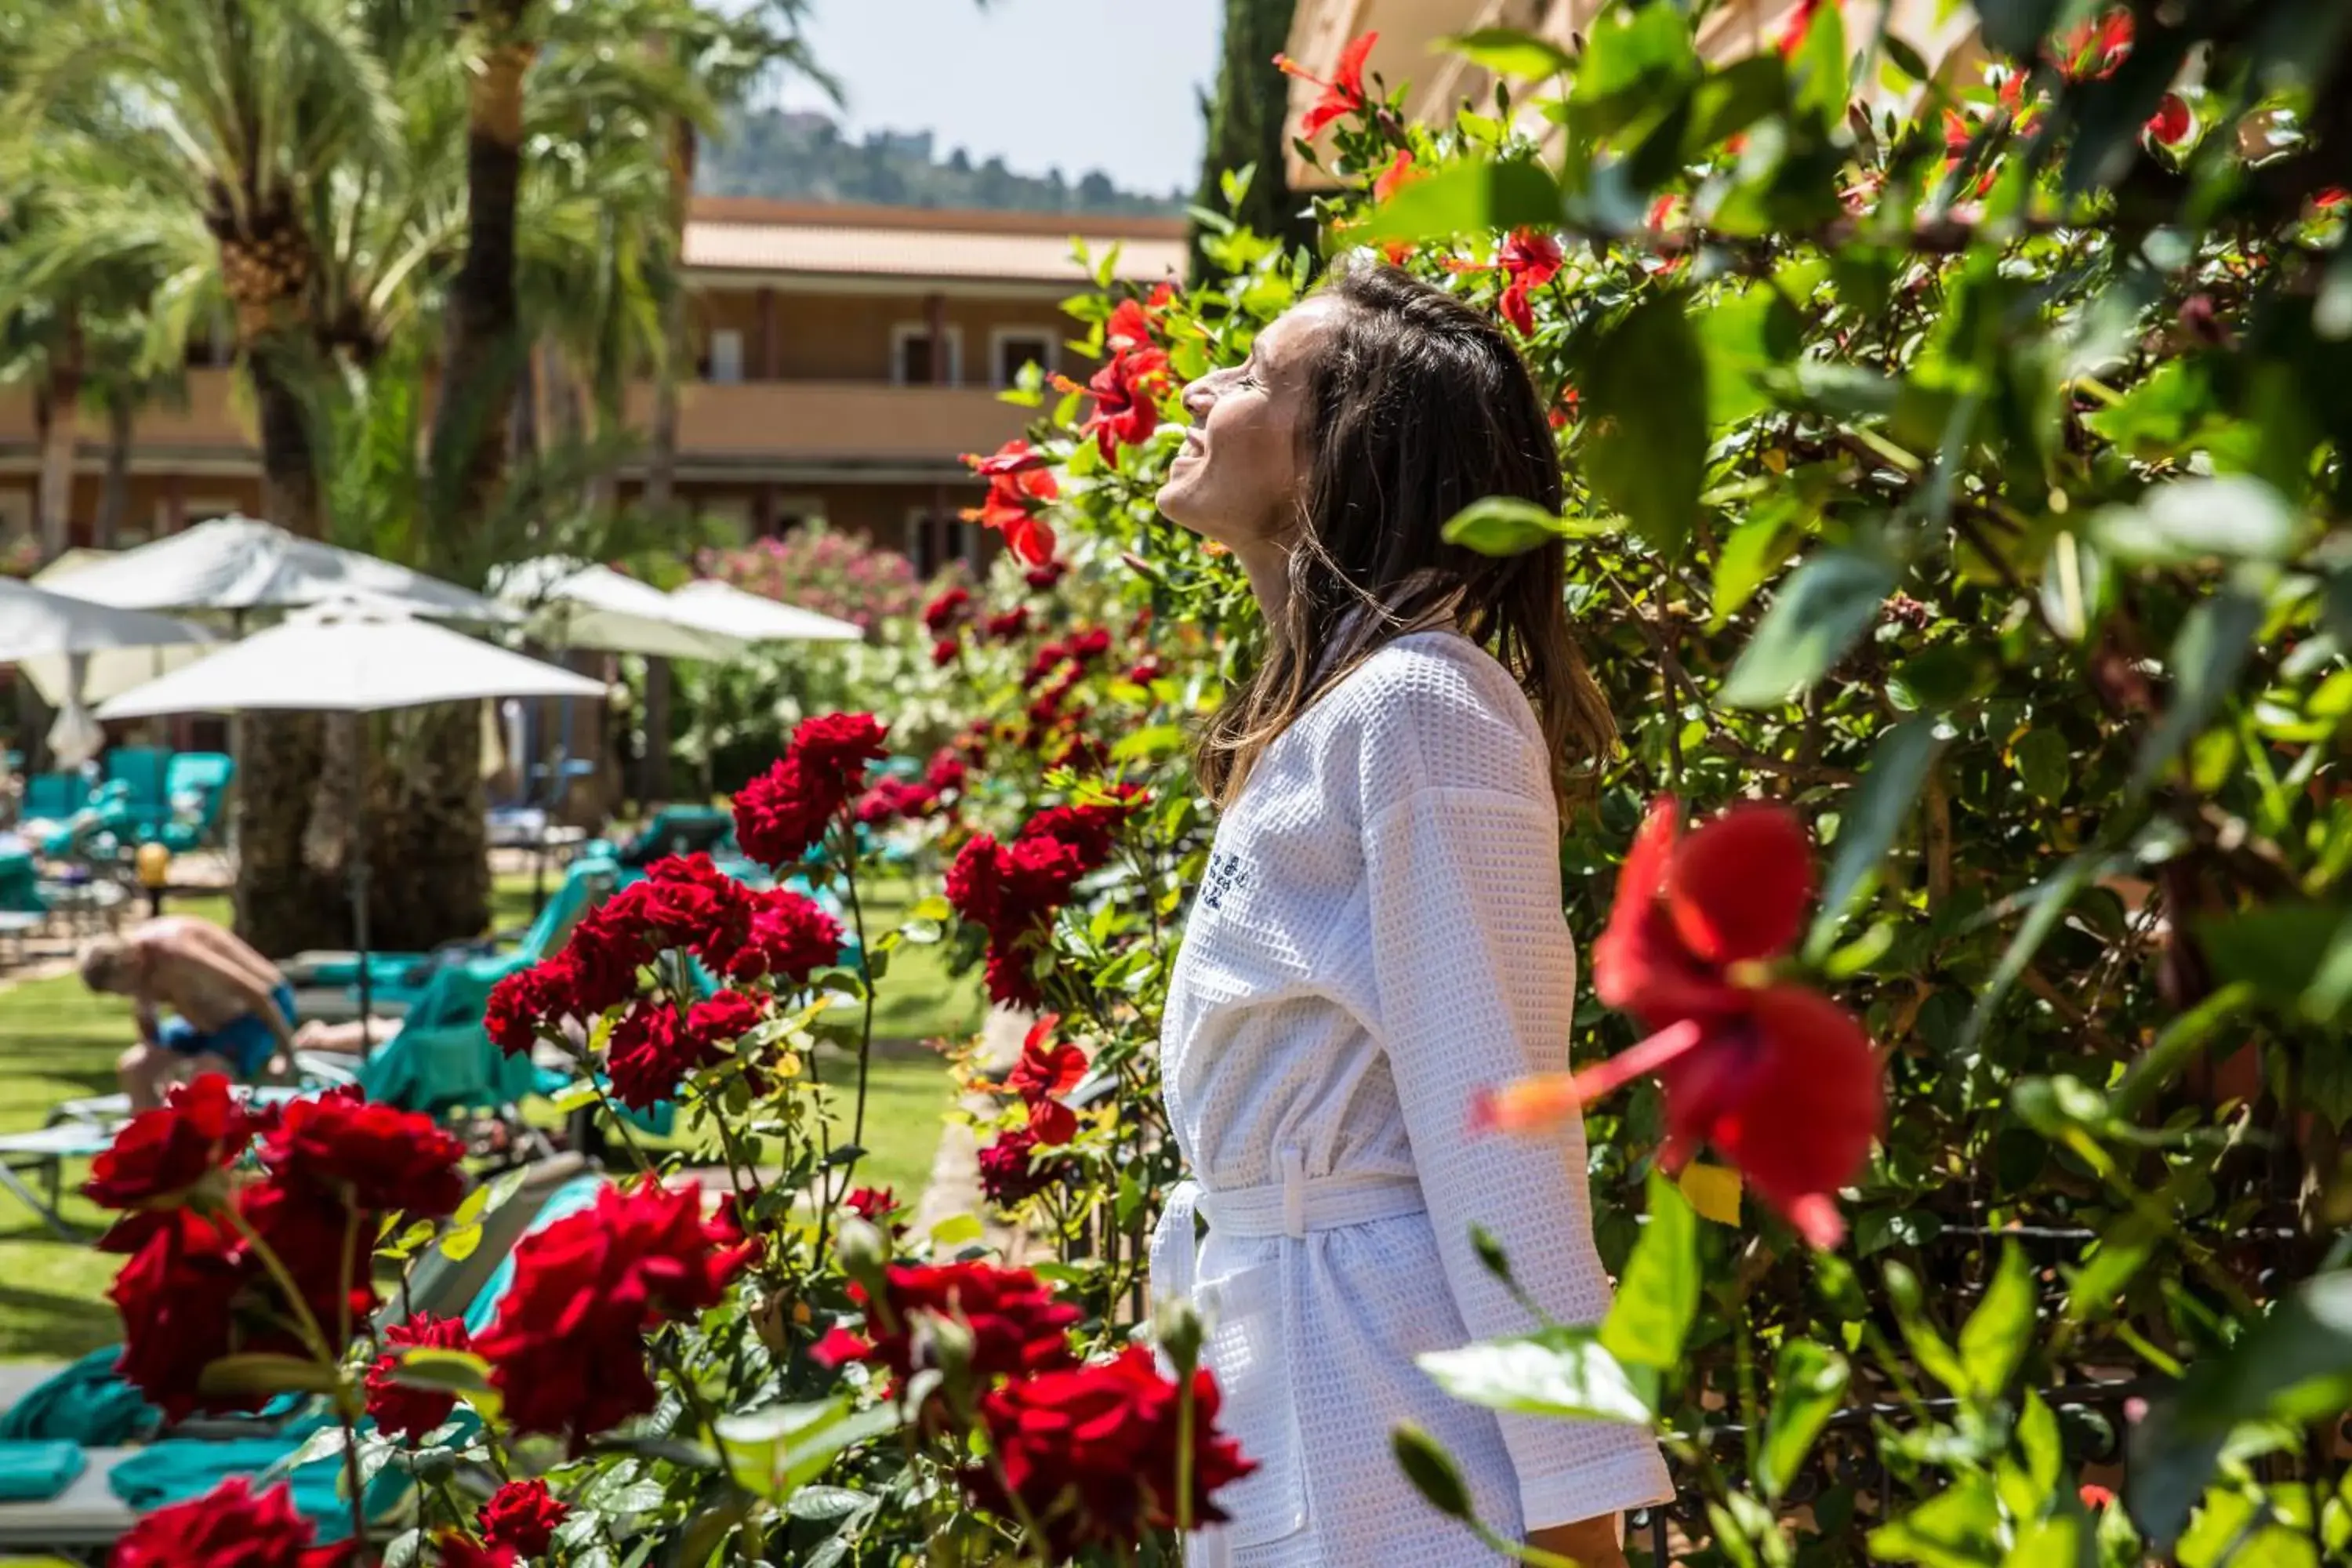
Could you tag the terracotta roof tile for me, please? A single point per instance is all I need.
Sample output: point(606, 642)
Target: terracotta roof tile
point(754, 237)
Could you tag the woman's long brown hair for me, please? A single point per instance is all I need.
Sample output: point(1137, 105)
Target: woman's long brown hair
point(1418, 405)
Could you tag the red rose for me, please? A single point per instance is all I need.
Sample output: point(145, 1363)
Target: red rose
point(1008, 625)
point(1095, 1453)
point(399, 1408)
point(607, 951)
point(792, 936)
point(1089, 830)
point(526, 1001)
point(1044, 579)
point(230, 1526)
point(1009, 1168)
point(1780, 1079)
point(1018, 1328)
point(874, 1206)
point(651, 1049)
point(457, 1551)
point(779, 816)
point(373, 1157)
point(947, 772)
point(159, 1155)
point(1009, 978)
point(975, 881)
point(567, 1352)
point(324, 1246)
point(837, 748)
point(893, 798)
point(950, 609)
point(944, 651)
point(521, 1515)
point(177, 1298)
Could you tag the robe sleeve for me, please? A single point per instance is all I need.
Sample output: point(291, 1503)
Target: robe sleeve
point(1475, 980)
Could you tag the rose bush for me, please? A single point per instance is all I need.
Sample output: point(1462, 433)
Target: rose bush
point(1956, 464)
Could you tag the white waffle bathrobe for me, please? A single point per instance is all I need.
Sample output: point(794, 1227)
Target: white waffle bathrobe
point(1377, 937)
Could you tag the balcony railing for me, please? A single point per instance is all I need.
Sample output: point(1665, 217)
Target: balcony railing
point(819, 422)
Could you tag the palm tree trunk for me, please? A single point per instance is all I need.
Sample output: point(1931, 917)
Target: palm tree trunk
point(57, 478)
point(114, 496)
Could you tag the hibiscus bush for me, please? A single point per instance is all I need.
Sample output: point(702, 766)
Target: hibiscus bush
point(1957, 521)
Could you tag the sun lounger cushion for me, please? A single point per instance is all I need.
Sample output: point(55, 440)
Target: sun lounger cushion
point(35, 1472)
point(85, 1403)
point(178, 1469)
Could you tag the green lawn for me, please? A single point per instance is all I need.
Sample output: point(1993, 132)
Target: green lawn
point(59, 1042)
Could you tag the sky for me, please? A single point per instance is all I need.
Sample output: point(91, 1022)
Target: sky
point(1081, 84)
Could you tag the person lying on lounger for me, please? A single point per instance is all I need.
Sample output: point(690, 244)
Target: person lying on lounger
point(234, 1012)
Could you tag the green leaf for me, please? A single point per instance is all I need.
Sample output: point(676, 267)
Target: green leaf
point(2044, 764)
point(1993, 1341)
point(1658, 1297)
point(2232, 517)
point(262, 1371)
point(1151, 743)
point(2278, 950)
point(2206, 654)
point(2161, 1062)
point(1809, 1380)
point(1509, 53)
point(1936, 1358)
point(1743, 339)
point(2048, 901)
point(773, 1453)
point(1755, 550)
point(2296, 1366)
point(1873, 814)
point(1477, 197)
point(1646, 389)
point(1431, 1471)
point(1824, 606)
point(449, 1371)
point(1959, 1527)
point(1636, 62)
point(1561, 1374)
point(823, 1504)
point(957, 1231)
point(1507, 525)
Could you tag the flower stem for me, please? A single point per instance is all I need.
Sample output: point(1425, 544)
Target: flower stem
point(866, 974)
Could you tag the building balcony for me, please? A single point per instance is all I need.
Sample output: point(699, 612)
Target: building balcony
point(852, 428)
point(212, 426)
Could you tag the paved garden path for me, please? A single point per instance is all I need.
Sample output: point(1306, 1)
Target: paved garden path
point(954, 1186)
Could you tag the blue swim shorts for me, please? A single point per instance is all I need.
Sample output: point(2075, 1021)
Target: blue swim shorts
point(244, 1042)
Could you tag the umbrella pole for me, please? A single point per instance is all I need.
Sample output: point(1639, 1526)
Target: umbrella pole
point(359, 875)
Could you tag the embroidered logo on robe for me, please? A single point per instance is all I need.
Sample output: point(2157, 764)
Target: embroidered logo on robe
point(1227, 874)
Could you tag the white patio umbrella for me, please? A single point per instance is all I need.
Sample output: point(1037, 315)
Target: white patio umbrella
point(354, 654)
point(575, 603)
point(235, 565)
point(57, 639)
point(723, 607)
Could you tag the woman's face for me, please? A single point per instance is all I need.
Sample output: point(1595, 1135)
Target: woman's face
point(1241, 477)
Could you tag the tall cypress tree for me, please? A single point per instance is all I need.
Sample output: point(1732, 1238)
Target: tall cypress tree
point(1249, 125)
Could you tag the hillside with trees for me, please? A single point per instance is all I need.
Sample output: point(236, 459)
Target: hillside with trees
point(805, 156)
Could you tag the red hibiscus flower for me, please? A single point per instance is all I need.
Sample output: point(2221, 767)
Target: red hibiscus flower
point(1343, 95)
point(1018, 1328)
point(1128, 328)
point(1019, 485)
point(2096, 1496)
point(2094, 50)
point(1095, 1453)
point(397, 1408)
point(522, 1517)
point(1400, 173)
point(1794, 30)
point(1127, 392)
point(231, 1526)
point(567, 1352)
point(1778, 1079)
point(2172, 123)
point(1529, 260)
point(950, 609)
point(159, 1155)
point(780, 815)
point(374, 1157)
point(1045, 1067)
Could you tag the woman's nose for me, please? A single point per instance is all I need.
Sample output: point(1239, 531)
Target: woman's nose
point(1200, 395)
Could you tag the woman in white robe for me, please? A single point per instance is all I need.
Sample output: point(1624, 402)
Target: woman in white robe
point(1379, 936)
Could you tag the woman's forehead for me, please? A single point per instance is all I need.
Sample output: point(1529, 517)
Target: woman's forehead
point(1288, 334)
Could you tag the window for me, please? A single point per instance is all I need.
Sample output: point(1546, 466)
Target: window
point(789, 512)
point(911, 363)
point(935, 543)
point(1012, 348)
point(727, 355)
